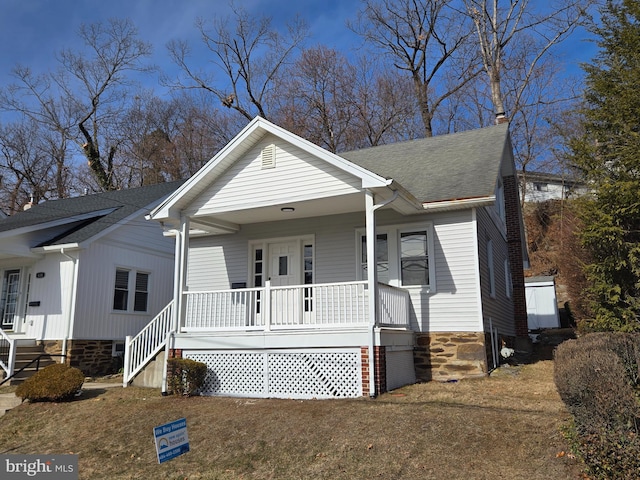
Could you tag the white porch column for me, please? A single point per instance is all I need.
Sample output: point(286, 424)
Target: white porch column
point(372, 282)
point(180, 272)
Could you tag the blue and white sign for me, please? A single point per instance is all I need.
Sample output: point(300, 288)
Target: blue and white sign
point(171, 440)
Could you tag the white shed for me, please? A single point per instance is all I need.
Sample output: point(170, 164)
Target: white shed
point(542, 304)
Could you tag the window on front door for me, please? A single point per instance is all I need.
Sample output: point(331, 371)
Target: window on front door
point(10, 294)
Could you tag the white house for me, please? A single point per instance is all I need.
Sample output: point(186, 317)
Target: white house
point(305, 274)
point(540, 186)
point(80, 274)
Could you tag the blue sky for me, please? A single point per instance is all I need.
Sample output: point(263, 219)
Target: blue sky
point(32, 31)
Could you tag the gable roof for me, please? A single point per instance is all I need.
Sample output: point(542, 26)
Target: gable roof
point(85, 216)
point(252, 133)
point(457, 166)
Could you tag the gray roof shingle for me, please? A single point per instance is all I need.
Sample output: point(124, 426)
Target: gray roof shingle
point(121, 203)
point(448, 167)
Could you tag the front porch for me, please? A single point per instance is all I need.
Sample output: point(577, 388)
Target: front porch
point(302, 341)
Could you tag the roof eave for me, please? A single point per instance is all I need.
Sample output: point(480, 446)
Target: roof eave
point(459, 204)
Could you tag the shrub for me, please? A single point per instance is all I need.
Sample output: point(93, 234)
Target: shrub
point(54, 383)
point(597, 378)
point(185, 376)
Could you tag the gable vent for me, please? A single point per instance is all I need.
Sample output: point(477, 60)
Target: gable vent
point(269, 156)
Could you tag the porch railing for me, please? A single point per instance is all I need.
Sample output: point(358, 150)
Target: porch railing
point(331, 305)
point(139, 350)
point(7, 353)
point(393, 306)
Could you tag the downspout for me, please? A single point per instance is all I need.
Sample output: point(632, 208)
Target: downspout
point(372, 277)
point(72, 304)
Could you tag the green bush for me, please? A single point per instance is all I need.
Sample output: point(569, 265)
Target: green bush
point(54, 383)
point(185, 376)
point(597, 378)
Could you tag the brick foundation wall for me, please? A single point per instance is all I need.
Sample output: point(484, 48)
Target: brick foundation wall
point(380, 370)
point(450, 355)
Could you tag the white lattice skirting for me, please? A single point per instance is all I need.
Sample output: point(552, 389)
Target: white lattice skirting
point(302, 374)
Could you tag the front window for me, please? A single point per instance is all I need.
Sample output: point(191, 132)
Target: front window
point(382, 257)
point(404, 255)
point(414, 258)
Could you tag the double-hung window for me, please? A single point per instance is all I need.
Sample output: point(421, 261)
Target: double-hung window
point(404, 255)
point(131, 291)
point(382, 257)
point(414, 258)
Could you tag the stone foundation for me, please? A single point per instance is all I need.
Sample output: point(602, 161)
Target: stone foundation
point(93, 357)
point(450, 355)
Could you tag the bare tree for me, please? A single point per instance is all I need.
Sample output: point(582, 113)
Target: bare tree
point(82, 100)
point(426, 39)
point(502, 24)
point(165, 140)
point(248, 52)
point(31, 165)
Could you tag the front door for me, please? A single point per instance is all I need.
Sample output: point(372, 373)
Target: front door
point(285, 270)
point(10, 296)
point(284, 264)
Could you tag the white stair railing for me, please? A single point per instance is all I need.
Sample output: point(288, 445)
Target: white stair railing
point(7, 353)
point(141, 349)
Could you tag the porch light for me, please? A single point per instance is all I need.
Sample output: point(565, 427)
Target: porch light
point(287, 209)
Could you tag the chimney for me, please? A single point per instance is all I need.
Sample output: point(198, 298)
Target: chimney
point(501, 117)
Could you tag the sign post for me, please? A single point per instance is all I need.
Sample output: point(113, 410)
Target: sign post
point(171, 440)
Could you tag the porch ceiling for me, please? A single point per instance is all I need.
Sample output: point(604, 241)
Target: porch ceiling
point(230, 221)
point(226, 222)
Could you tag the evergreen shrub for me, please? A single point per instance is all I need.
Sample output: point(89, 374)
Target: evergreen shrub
point(597, 378)
point(185, 376)
point(54, 383)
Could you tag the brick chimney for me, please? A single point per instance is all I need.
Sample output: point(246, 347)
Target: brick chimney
point(501, 117)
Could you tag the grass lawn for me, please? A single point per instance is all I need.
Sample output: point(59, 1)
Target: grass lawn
point(506, 426)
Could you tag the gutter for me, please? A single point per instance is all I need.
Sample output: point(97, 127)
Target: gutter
point(459, 204)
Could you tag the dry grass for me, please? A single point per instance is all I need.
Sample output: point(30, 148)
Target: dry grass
point(502, 427)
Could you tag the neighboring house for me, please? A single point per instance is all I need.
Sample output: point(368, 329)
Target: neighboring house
point(539, 186)
point(80, 274)
point(306, 274)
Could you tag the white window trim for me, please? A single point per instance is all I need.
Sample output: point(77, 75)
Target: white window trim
point(491, 269)
point(131, 290)
point(264, 245)
point(507, 278)
point(393, 241)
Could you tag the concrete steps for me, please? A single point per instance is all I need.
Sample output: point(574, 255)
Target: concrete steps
point(25, 355)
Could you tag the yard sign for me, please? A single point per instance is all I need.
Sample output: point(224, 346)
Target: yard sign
point(171, 440)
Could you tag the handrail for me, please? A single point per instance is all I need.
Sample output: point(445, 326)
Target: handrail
point(139, 350)
point(7, 353)
point(37, 362)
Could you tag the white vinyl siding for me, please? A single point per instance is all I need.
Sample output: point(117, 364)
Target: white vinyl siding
point(95, 318)
point(297, 176)
point(215, 262)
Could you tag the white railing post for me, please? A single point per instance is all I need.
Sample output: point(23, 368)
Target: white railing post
point(266, 314)
point(127, 360)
